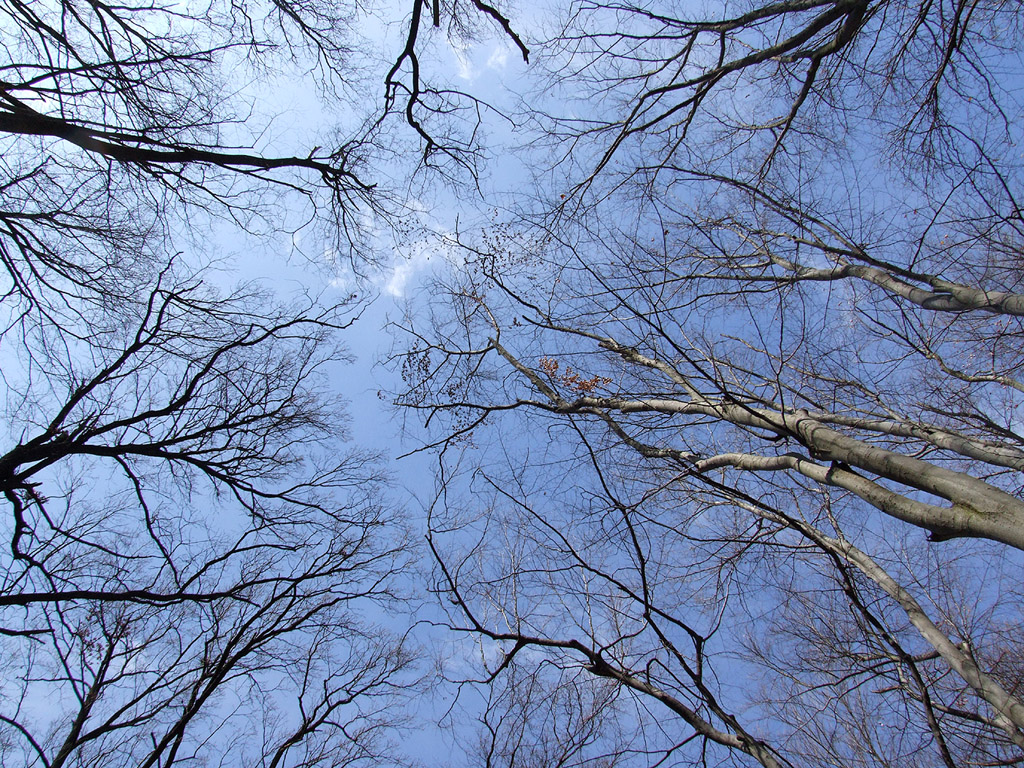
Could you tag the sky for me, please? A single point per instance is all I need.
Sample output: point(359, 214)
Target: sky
point(387, 290)
point(408, 253)
point(288, 113)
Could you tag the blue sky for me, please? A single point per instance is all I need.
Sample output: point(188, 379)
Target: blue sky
point(634, 232)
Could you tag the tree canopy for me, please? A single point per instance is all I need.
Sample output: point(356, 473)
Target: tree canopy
point(196, 562)
point(720, 382)
point(757, 337)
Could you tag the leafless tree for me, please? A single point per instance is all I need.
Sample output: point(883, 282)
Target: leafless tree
point(197, 569)
point(193, 557)
point(671, 549)
point(743, 83)
point(693, 419)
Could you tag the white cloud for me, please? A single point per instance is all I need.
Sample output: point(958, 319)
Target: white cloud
point(467, 58)
point(401, 266)
point(499, 58)
point(464, 63)
point(405, 271)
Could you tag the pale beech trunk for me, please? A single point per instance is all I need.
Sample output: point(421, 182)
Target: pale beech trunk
point(977, 508)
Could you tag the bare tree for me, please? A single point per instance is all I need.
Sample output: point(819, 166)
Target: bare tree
point(694, 418)
point(625, 542)
point(197, 566)
point(192, 555)
point(743, 83)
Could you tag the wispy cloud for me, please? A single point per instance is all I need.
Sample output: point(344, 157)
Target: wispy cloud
point(406, 271)
point(498, 59)
point(470, 61)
